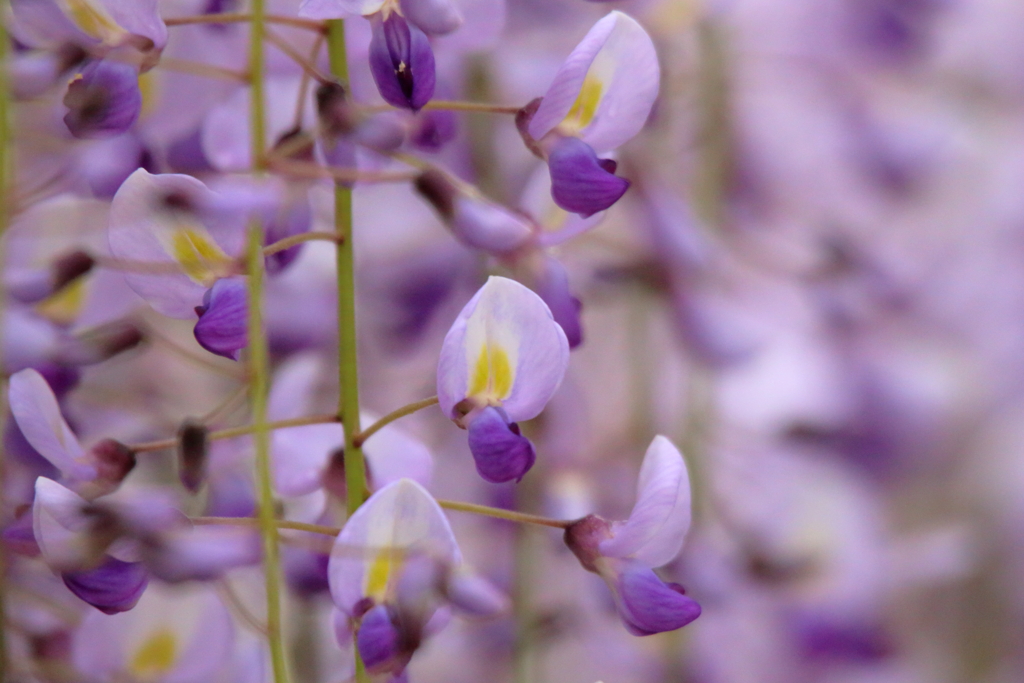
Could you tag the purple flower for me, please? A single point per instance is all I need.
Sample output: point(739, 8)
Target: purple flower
point(580, 182)
point(504, 351)
point(401, 62)
point(103, 100)
point(622, 553)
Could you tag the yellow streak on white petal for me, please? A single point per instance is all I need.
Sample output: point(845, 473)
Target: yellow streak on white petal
point(585, 106)
point(198, 255)
point(379, 574)
point(64, 306)
point(94, 20)
point(492, 376)
point(155, 656)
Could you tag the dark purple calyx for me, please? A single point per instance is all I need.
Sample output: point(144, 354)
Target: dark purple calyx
point(584, 536)
point(193, 449)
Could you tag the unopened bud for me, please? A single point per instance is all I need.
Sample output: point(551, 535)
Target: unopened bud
point(438, 189)
point(192, 454)
point(337, 117)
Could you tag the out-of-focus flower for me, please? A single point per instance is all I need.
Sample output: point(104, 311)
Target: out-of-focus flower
point(99, 470)
point(181, 243)
point(176, 634)
point(394, 571)
point(623, 553)
point(501, 362)
point(103, 100)
point(599, 99)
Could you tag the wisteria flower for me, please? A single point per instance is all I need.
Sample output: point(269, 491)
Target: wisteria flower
point(401, 59)
point(394, 571)
point(501, 361)
point(624, 553)
point(600, 98)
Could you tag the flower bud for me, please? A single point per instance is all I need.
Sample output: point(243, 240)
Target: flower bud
point(401, 62)
point(193, 448)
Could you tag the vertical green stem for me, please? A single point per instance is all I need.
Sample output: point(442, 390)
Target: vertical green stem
point(348, 364)
point(258, 363)
point(258, 368)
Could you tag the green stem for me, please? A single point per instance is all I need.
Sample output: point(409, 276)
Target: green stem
point(348, 363)
point(362, 436)
point(261, 438)
point(233, 432)
point(499, 513)
point(259, 363)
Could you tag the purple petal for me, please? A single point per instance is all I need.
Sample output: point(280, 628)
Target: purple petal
point(580, 182)
point(435, 17)
point(507, 316)
point(377, 639)
point(38, 416)
point(20, 537)
point(475, 595)
point(222, 326)
point(553, 288)
point(401, 62)
point(619, 58)
point(660, 518)
point(648, 605)
point(113, 587)
point(293, 218)
point(501, 453)
point(103, 100)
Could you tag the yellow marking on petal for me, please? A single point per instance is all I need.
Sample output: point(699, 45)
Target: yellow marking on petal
point(492, 374)
point(94, 21)
point(199, 256)
point(148, 90)
point(63, 307)
point(585, 106)
point(155, 656)
point(380, 572)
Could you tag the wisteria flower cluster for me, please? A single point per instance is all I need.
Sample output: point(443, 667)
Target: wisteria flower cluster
point(405, 340)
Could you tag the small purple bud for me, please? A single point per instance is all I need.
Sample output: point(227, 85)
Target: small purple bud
point(222, 318)
point(580, 182)
point(434, 129)
point(192, 454)
point(402, 62)
point(103, 100)
point(294, 218)
point(113, 587)
point(501, 453)
point(377, 639)
point(648, 605)
point(336, 114)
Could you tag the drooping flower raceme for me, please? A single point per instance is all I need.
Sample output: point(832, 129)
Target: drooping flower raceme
point(624, 553)
point(394, 571)
point(401, 60)
point(501, 361)
point(600, 98)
